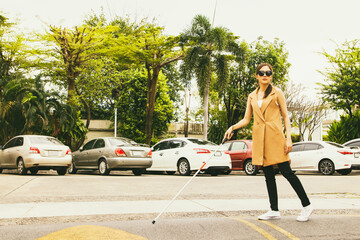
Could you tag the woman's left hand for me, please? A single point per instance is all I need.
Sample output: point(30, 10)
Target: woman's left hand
point(288, 145)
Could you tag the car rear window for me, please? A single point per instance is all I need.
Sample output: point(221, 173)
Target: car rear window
point(45, 140)
point(123, 142)
point(201, 142)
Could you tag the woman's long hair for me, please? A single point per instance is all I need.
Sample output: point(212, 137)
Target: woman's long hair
point(269, 88)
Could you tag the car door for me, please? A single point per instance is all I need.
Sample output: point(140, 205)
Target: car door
point(81, 158)
point(312, 154)
point(238, 152)
point(15, 151)
point(96, 152)
point(296, 156)
point(172, 154)
point(158, 155)
point(7, 152)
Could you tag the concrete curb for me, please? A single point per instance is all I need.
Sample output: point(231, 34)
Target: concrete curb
point(57, 209)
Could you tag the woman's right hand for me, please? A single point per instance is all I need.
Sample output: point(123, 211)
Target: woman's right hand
point(228, 134)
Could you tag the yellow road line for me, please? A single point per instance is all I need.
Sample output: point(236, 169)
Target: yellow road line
point(256, 228)
point(283, 231)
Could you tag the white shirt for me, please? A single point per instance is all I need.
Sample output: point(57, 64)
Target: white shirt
point(260, 103)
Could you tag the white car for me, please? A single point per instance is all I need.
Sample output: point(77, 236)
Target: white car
point(189, 154)
point(325, 157)
point(34, 153)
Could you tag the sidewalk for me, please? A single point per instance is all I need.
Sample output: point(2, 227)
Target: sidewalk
point(51, 209)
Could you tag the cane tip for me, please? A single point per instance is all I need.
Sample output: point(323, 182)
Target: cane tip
point(153, 222)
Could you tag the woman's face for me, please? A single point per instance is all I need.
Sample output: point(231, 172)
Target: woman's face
point(265, 79)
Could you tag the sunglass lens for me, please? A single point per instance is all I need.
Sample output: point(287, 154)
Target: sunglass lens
point(268, 73)
point(261, 73)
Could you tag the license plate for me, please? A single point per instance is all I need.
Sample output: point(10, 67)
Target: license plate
point(356, 155)
point(217, 154)
point(53, 153)
point(137, 153)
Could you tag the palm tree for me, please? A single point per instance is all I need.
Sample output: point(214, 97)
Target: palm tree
point(208, 56)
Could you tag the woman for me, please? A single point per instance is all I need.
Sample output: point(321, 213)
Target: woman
point(269, 144)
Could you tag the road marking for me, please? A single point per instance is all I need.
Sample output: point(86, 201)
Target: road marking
point(283, 231)
point(91, 232)
point(256, 228)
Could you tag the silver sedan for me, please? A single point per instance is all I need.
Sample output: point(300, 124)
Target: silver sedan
point(34, 153)
point(110, 153)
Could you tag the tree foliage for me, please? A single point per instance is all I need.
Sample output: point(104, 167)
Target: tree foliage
point(131, 105)
point(341, 89)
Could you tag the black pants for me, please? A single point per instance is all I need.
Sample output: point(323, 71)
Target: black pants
point(293, 180)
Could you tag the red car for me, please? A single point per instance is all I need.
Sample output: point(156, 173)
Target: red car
point(241, 154)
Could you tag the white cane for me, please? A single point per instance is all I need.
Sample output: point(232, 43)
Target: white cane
point(172, 200)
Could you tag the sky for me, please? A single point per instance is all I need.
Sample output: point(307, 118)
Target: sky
point(307, 27)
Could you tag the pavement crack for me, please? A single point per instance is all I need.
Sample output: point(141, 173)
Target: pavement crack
point(5, 195)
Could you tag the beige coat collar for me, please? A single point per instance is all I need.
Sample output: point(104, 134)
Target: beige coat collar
point(260, 111)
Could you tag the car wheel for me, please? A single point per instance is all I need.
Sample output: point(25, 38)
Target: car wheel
point(227, 172)
point(103, 169)
point(21, 167)
point(326, 167)
point(0, 170)
point(72, 169)
point(34, 171)
point(62, 171)
point(184, 167)
point(344, 171)
point(170, 172)
point(138, 171)
point(249, 168)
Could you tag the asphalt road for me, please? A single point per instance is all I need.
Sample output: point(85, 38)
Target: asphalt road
point(48, 187)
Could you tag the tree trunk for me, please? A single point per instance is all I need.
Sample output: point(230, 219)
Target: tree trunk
point(206, 106)
point(71, 90)
point(150, 105)
point(187, 108)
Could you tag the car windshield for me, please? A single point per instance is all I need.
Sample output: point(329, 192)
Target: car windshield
point(45, 140)
point(335, 144)
point(201, 142)
point(123, 142)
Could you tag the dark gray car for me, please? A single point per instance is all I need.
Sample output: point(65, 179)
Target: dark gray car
point(110, 153)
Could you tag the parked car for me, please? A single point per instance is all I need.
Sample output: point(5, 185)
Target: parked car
point(241, 155)
point(325, 157)
point(110, 153)
point(34, 153)
point(188, 154)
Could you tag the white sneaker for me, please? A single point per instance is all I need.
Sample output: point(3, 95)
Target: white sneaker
point(305, 214)
point(270, 215)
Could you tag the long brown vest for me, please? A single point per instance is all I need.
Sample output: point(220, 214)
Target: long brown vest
point(267, 133)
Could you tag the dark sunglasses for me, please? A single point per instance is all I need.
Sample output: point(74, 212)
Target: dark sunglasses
point(262, 73)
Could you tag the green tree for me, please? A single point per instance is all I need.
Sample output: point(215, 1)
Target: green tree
point(131, 105)
point(19, 109)
point(207, 55)
point(341, 89)
point(75, 60)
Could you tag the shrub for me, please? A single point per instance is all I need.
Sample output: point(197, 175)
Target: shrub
point(346, 129)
